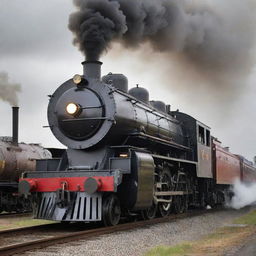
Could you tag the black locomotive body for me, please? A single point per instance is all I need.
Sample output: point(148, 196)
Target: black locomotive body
point(125, 155)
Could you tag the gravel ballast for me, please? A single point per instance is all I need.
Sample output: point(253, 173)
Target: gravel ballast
point(137, 242)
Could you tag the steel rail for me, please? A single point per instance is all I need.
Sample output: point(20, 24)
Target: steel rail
point(88, 234)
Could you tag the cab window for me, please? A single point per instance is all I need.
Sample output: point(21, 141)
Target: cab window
point(208, 138)
point(201, 134)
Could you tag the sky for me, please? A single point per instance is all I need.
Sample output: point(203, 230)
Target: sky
point(36, 51)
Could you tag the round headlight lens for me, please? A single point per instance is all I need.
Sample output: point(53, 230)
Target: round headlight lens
point(72, 109)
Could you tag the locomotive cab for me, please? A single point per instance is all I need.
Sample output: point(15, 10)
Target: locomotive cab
point(200, 136)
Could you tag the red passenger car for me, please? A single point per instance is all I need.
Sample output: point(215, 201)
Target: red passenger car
point(248, 171)
point(226, 166)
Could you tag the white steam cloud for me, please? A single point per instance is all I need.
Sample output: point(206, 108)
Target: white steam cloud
point(8, 90)
point(244, 195)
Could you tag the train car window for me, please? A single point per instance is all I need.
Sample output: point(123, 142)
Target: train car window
point(208, 138)
point(201, 133)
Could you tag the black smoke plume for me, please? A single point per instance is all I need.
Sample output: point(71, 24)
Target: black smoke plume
point(8, 90)
point(213, 34)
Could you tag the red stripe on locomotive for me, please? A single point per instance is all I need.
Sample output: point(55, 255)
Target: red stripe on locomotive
point(68, 184)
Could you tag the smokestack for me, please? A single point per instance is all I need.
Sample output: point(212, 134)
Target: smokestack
point(92, 69)
point(15, 124)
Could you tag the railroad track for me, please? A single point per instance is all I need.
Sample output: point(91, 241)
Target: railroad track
point(16, 241)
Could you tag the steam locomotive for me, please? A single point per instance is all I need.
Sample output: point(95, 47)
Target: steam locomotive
point(16, 158)
point(126, 155)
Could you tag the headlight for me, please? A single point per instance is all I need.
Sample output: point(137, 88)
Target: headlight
point(73, 109)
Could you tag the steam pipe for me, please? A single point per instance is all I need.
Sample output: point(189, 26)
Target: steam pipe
point(92, 69)
point(15, 124)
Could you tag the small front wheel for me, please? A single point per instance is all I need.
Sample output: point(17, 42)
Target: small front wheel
point(111, 210)
point(149, 213)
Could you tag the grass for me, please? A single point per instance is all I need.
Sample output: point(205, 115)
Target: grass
point(17, 223)
point(248, 219)
point(169, 251)
point(215, 243)
point(29, 222)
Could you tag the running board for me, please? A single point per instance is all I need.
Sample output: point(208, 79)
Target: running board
point(172, 193)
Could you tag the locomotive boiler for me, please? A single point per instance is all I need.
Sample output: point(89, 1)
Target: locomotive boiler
point(16, 158)
point(96, 112)
point(125, 155)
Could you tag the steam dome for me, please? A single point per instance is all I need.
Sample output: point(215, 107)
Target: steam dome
point(140, 93)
